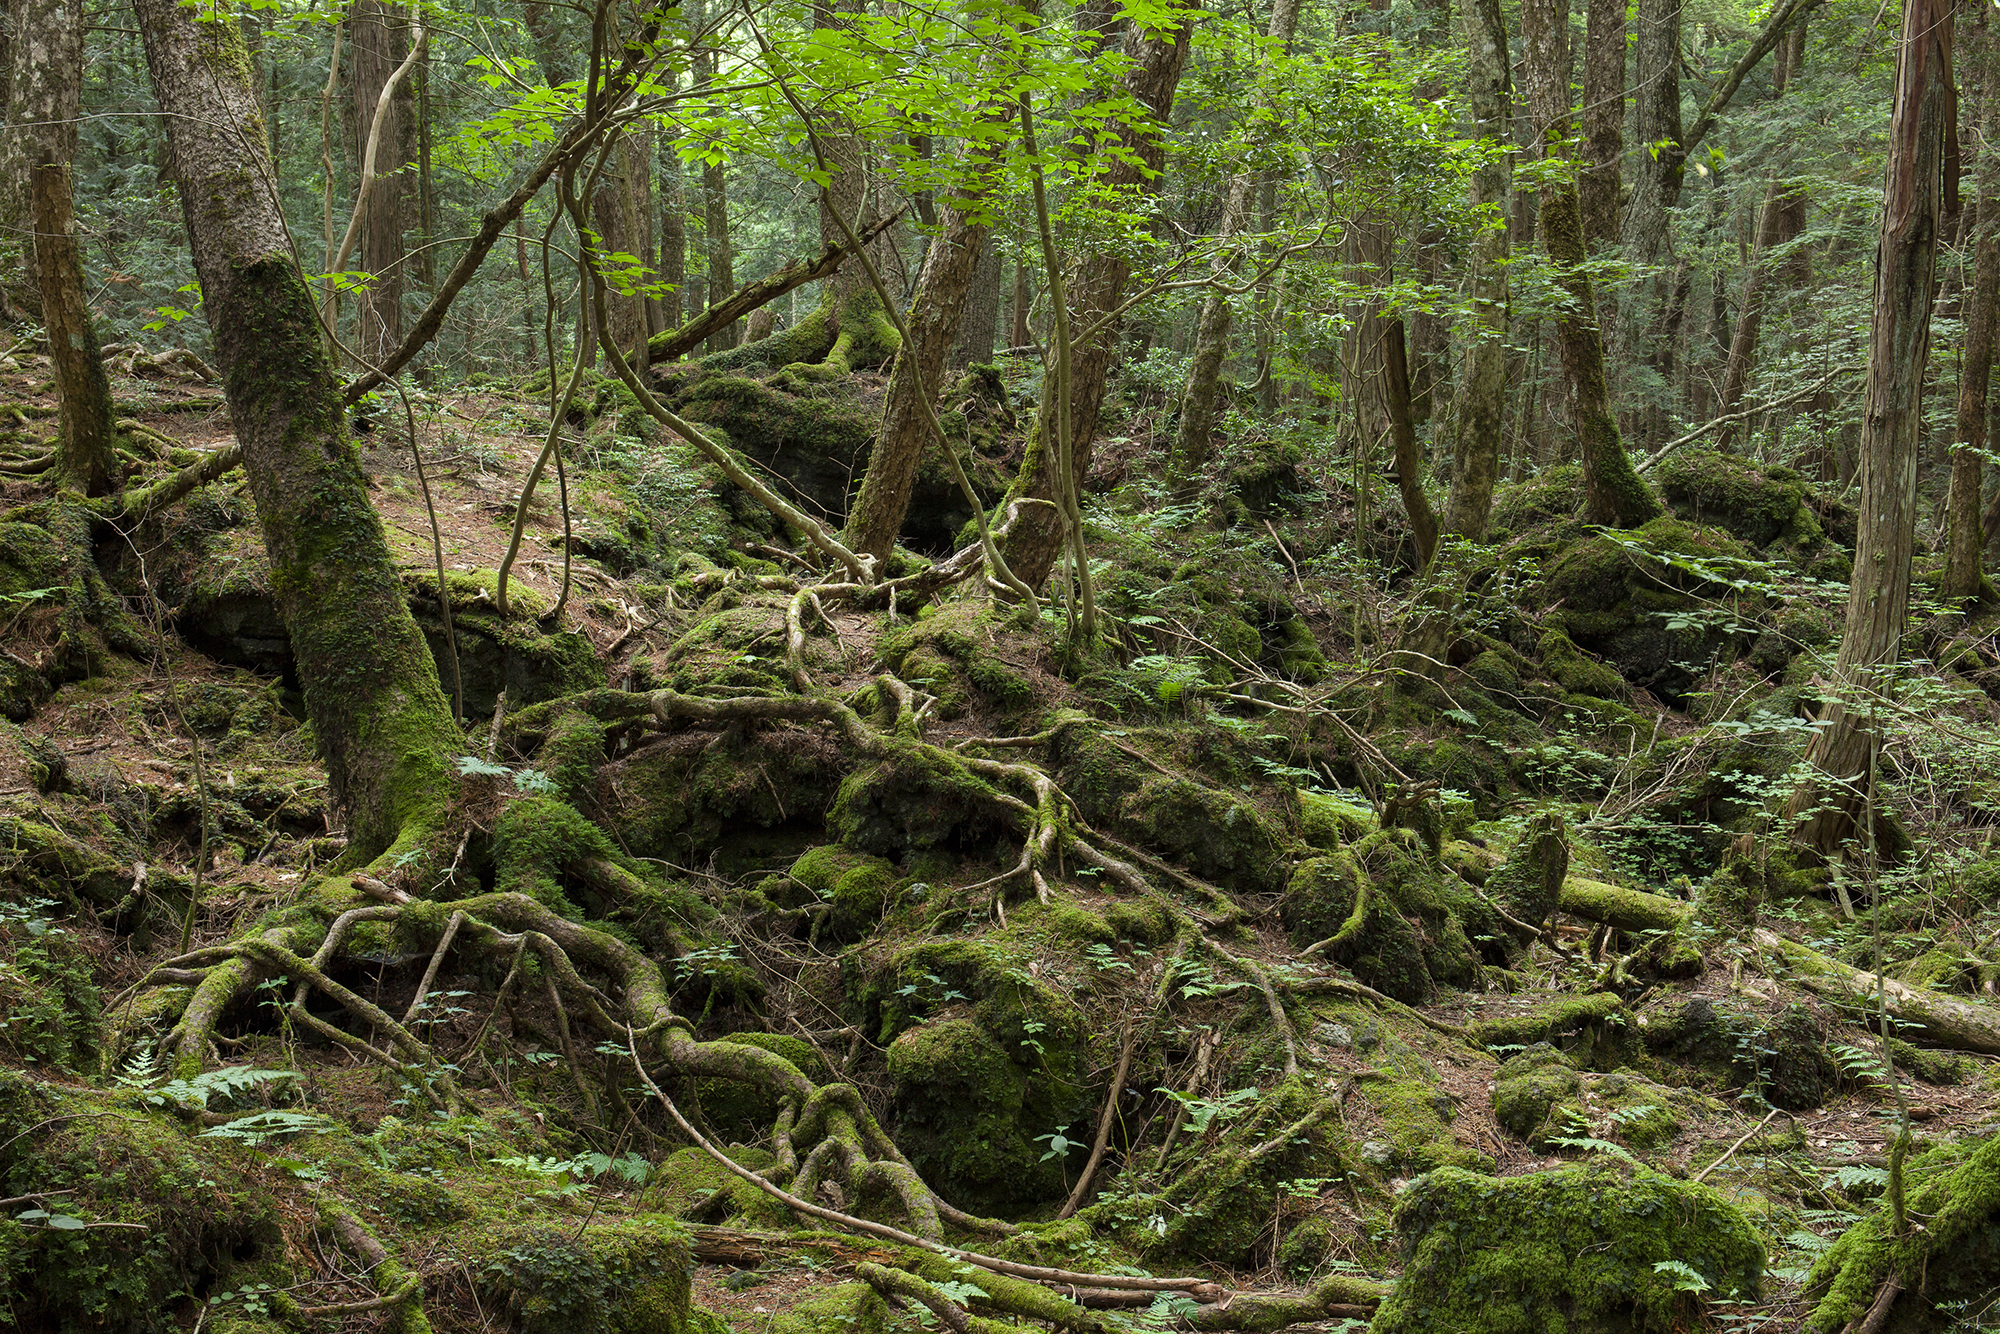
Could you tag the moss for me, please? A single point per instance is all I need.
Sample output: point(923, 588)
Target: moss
point(853, 1308)
point(1397, 917)
point(536, 839)
point(1570, 1250)
point(1941, 1068)
point(1763, 505)
point(1328, 821)
point(1548, 498)
point(853, 885)
point(683, 796)
point(913, 800)
point(1140, 920)
point(960, 651)
point(1571, 1022)
point(1139, 788)
point(1563, 661)
point(1529, 883)
point(1528, 1088)
point(1956, 1251)
point(1635, 1112)
point(685, 1180)
point(1780, 1056)
point(620, 1276)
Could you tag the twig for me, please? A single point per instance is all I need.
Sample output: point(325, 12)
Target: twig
point(1104, 1120)
point(1730, 1152)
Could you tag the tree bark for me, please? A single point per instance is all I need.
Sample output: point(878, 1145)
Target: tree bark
point(1409, 456)
point(623, 220)
point(378, 40)
point(1921, 187)
point(716, 246)
point(1964, 570)
point(1156, 58)
point(1193, 438)
point(46, 85)
point(371, 688)
point(1603, 120)
point(1482, 395)
point(1613, 493)
point(979, 325)
point(673, 234)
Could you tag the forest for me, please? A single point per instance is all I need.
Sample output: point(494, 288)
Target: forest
point(890, 666)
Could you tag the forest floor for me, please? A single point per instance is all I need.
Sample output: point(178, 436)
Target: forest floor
point(1705, 1065)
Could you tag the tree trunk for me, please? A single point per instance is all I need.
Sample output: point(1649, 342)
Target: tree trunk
point(378, 42)
point(980, 323)
point(1021, 334)
point(1964, 569)
point(1921, 186)
point(1152, 76)
point(715, 245)
point(1193, 439)
point(933, 319)
point(624, 226)
point(46, 84)
point(673, 235)
point(1403, 431)
point(1482, 395)
point(371, 687)
point(1613, 493)
point(1603, 121)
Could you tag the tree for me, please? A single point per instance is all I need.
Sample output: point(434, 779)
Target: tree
point(1613, 493)
point(1964, 574)
point(44, 91)
point(384, 129)
point(1482, 398)
point(1921, 186)
point(1156, 57)
point(1211, 342)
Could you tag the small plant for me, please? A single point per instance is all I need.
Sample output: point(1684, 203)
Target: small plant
point(1059, 1143)
point(261, 1127)
point(1205, 1112)
point(1685, 1276)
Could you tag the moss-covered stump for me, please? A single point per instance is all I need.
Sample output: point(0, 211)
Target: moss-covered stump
point(1578, 1251)
point(1391, 912)
point(968, 655)
point(1529, 883)
point(1939, 1271)
point(1529, 1088)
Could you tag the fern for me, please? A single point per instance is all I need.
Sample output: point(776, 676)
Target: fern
point(226, 1084)
point(258, 1127)
point(1590, 1144)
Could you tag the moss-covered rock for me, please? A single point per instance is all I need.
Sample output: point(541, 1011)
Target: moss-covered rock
point(1530, 1086)
point(853, 887)
point(628, 1275)
point(1779, 1057)
point(1585, 1251)
point(1761, 504)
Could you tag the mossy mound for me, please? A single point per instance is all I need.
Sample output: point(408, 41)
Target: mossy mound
point(985, 1058)
point(1392, 913)
point(685, 794)
point(966, 654)
point(1143, 787)
point(1530, 1086)
point(1637, 600)
point(496, 652)
point(1760, 504)
point(848, 890)
point(1584, 1251)
point(619, 1276)
point(1780, 1057)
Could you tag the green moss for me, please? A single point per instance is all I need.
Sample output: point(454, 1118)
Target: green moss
point(620, 1276)
point(853, 885)
point(1569, 1021)
point(1397, 917)
point(1764, 505)
point(1563, 661)
point(1328, 822)
point(686, 1180)
point(1572, 1250)
point(1957, 1250)
point(1530, 1086)
point(1140, 920)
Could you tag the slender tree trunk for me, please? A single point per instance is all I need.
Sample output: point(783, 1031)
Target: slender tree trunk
point(46, 85)
point(1409, 455)
point(1613, 493)
point(721, 257)
point(1482, 394)
point(623, 220)
point(1921, 184)
point(673, 237)
point(378, 42)
point(1153, 75)
point(1964, 571)
point(371, 688)
point(1781, 211)
point(1020, 334)
point(1193, 439)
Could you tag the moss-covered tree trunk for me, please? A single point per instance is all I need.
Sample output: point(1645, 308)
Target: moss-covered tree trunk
point(1964, 570)
point(1482, 397)
point(47, 91)
point(1614, 493)
point(371, 688)
point(1403, 432)
point(1922, 175)
point(877, 516)
point(1157, 57)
